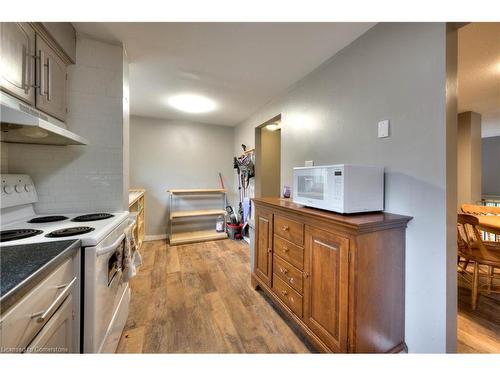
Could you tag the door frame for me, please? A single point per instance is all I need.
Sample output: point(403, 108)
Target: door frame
point(258, 153)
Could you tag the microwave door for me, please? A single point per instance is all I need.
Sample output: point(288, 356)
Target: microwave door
point(311, 186)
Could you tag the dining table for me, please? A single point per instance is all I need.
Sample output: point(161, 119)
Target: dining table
point(489, 223)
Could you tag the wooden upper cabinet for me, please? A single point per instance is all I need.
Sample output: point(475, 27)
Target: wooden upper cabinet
point(17, 60)
point(33, 63)
point(326, 286)
point(263, 245)
point(51, 73)
point(63, 34)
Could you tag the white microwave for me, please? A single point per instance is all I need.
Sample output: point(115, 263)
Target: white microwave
point(343, 188)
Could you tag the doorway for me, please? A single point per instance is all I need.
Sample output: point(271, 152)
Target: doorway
point(268, 158)
point(478, 188)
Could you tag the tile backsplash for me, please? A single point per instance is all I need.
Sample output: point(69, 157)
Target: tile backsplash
point(82, 178)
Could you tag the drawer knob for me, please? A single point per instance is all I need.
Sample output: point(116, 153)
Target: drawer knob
point(283, 270)
point(284, 292)
point(285, 228)
point(306, 275)
point(269, 250)
point(285, 249)
point(291, 280)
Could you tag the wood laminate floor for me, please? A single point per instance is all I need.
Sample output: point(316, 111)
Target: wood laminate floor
point(478, 331)
point(197, 298)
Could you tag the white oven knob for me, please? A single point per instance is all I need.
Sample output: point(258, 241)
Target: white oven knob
point(19, 188)
point(28, 187)
point(8, 189)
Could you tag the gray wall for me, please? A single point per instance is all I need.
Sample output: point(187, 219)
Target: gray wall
point(395, 72)
point(491, 166)
point(83, 178)
point(166, 154)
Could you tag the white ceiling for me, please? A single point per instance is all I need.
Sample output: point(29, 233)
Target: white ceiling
point(241, 66)
point(479, 74)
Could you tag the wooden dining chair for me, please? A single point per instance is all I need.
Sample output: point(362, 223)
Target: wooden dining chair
point(473, 249)
point(477, 210)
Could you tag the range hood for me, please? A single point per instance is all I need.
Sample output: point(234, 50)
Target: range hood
point(21, 123)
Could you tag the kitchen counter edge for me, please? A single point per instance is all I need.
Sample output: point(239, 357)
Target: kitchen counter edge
point(24, 287)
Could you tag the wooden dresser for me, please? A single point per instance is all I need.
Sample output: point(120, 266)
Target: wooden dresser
point(340, 278)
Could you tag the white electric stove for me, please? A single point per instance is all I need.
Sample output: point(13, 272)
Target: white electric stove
point(105, 295)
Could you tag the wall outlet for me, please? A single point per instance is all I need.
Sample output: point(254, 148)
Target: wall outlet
point(309, 163)
point(383, 129)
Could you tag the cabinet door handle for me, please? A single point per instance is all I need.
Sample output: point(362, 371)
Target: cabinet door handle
point(269, 250)
point(306, 275)
point(33, 66)
point(25, 70)
point(41, 72)
point(321, 243)
point(43, 315)
point(49, 79)
point(285, 228)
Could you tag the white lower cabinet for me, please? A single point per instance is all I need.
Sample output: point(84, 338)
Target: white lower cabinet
point(57, 335)
point(47, 319)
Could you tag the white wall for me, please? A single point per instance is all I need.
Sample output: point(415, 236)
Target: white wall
point(83, 178)
point(166, 154)
point(395, 72)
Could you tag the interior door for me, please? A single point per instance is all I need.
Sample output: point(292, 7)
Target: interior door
point(57, 335)
point(264, 245)
point(51, 81)
point(326, 286)
point(17, 49)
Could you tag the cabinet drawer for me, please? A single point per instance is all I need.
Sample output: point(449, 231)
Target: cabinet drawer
point(288, 251)
point(20, 324)
point(289, 296)
point(288, 273)
point(289, 229)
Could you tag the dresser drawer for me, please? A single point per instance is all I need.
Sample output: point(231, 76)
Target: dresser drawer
point(289, 229)
point(288, 273)
point(293, 254)
point(22, 322)
point(289, 296)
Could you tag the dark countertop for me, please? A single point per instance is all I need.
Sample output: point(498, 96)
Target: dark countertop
point(22, 267)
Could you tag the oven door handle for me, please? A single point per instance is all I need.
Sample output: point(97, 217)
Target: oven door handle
point(112, 247)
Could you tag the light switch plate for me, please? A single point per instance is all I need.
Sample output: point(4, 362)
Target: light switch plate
point(309, 163)
point(383, 129)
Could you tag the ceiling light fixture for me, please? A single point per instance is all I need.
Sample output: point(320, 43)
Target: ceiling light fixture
point(191, 103)
point(273, 127)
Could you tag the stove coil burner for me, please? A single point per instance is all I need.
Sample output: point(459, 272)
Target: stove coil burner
point(47, 219)
point(17, 234)
point(92, 217)
point(68, 232)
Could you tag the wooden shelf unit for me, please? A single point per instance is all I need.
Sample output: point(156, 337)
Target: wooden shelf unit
point(195, 213)
point(196, 236)
point(200, 235)
point(136, 204)
point(196, 191)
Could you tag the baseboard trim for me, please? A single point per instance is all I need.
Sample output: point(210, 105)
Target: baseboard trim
point(155, 237)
